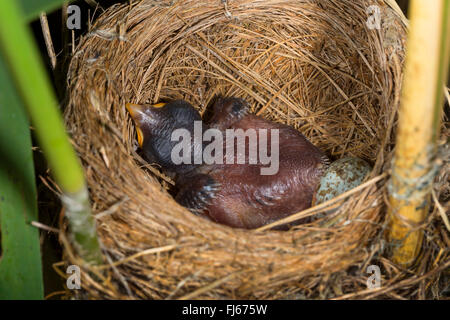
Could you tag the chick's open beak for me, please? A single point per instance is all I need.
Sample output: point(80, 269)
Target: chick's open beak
point(138, 114)
point(137, 111)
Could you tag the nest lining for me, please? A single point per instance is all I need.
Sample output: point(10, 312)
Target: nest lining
point(314, 65)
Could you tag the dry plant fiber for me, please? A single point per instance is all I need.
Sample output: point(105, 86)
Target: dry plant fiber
point(315, 65)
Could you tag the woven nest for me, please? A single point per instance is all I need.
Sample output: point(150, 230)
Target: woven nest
point(315, 65)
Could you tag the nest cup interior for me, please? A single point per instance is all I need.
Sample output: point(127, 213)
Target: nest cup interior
point(315, 65)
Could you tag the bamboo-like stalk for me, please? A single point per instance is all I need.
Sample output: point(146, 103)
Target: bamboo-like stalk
point(30, 77)
point(419, 121)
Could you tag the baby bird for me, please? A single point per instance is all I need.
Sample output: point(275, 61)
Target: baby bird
point(235, 189)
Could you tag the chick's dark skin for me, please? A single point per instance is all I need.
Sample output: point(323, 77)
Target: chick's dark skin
point(237, 195)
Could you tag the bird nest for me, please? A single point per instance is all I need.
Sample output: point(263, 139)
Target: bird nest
point(315, 65)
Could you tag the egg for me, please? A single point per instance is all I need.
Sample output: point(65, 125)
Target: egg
point(341, 176)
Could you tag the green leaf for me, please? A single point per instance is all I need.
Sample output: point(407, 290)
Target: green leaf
point(32, 82)
point(33, 8)
point(20, 264)
point(31, 79)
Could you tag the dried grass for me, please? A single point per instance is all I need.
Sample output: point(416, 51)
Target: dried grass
point(312, 64)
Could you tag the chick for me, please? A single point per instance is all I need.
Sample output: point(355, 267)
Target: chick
point(238, 190)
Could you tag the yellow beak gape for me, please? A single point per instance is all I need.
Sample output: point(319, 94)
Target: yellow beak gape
point(159, 105)
point(133, 109)
point(140, 136)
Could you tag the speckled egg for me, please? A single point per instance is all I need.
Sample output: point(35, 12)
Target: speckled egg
point(342, 175)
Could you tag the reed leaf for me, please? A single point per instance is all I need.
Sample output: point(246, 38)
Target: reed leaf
point(32, 8)
point(28, 72)
point(20, 265)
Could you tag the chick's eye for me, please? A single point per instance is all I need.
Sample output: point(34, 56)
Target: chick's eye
point(235, 107)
